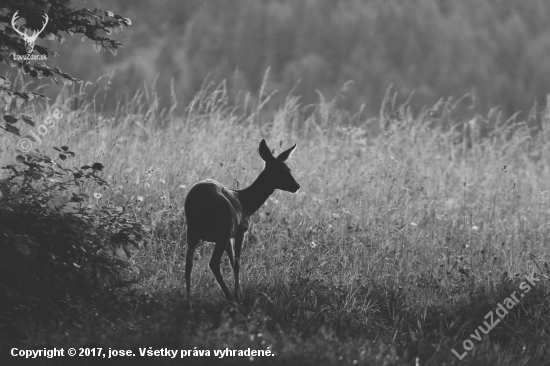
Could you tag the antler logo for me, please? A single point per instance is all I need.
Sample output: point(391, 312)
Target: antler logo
point(29, 40)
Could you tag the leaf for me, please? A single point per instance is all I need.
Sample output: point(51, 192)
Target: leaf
point(13, 130)
point(109, 13)
point(69, 208)
point(97, 166)
point(61, 200)
point(43, 6)
point(85, 167)
point(76, 199)
point(10, 119)
point(4, 82)
point(28, 120)
point(23, 95)
point(62, 157)
point(97, 47)
point(23, 248)
point(32, 138)
point(120, 252)
point(65, 148)
point(20, 158)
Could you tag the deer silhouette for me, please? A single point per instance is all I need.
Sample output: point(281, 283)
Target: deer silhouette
point(217, 214)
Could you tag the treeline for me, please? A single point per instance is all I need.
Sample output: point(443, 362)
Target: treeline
point(497, 50)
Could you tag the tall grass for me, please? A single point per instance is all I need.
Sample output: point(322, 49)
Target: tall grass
point(392, 252)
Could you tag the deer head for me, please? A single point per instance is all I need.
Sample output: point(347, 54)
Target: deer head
point(276, 169)
point(29, 40)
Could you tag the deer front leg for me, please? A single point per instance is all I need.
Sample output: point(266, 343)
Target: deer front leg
point(237, 266)
point(215, 267)
point(229, 250)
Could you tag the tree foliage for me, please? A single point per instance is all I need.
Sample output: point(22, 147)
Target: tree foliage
point(62, 19)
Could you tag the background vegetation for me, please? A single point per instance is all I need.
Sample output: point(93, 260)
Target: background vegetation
point(494, 49)
point(392, 252)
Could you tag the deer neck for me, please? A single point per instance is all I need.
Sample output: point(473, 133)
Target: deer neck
point(253, 197)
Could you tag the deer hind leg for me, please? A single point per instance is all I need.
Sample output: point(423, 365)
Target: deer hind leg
point(229, 250)
point(215, 267)
point(237, 266)
point(191, 245)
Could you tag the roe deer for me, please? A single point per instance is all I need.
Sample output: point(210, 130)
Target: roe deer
point(216, 214)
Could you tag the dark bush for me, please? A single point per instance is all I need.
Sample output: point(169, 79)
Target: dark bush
point(55, 245)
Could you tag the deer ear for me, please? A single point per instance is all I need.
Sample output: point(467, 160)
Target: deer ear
point(286, 154)
point(265, 154)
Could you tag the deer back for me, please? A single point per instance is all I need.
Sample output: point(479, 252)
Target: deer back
point(214, 212)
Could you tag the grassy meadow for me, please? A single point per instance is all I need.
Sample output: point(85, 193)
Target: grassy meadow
point(404, 235)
